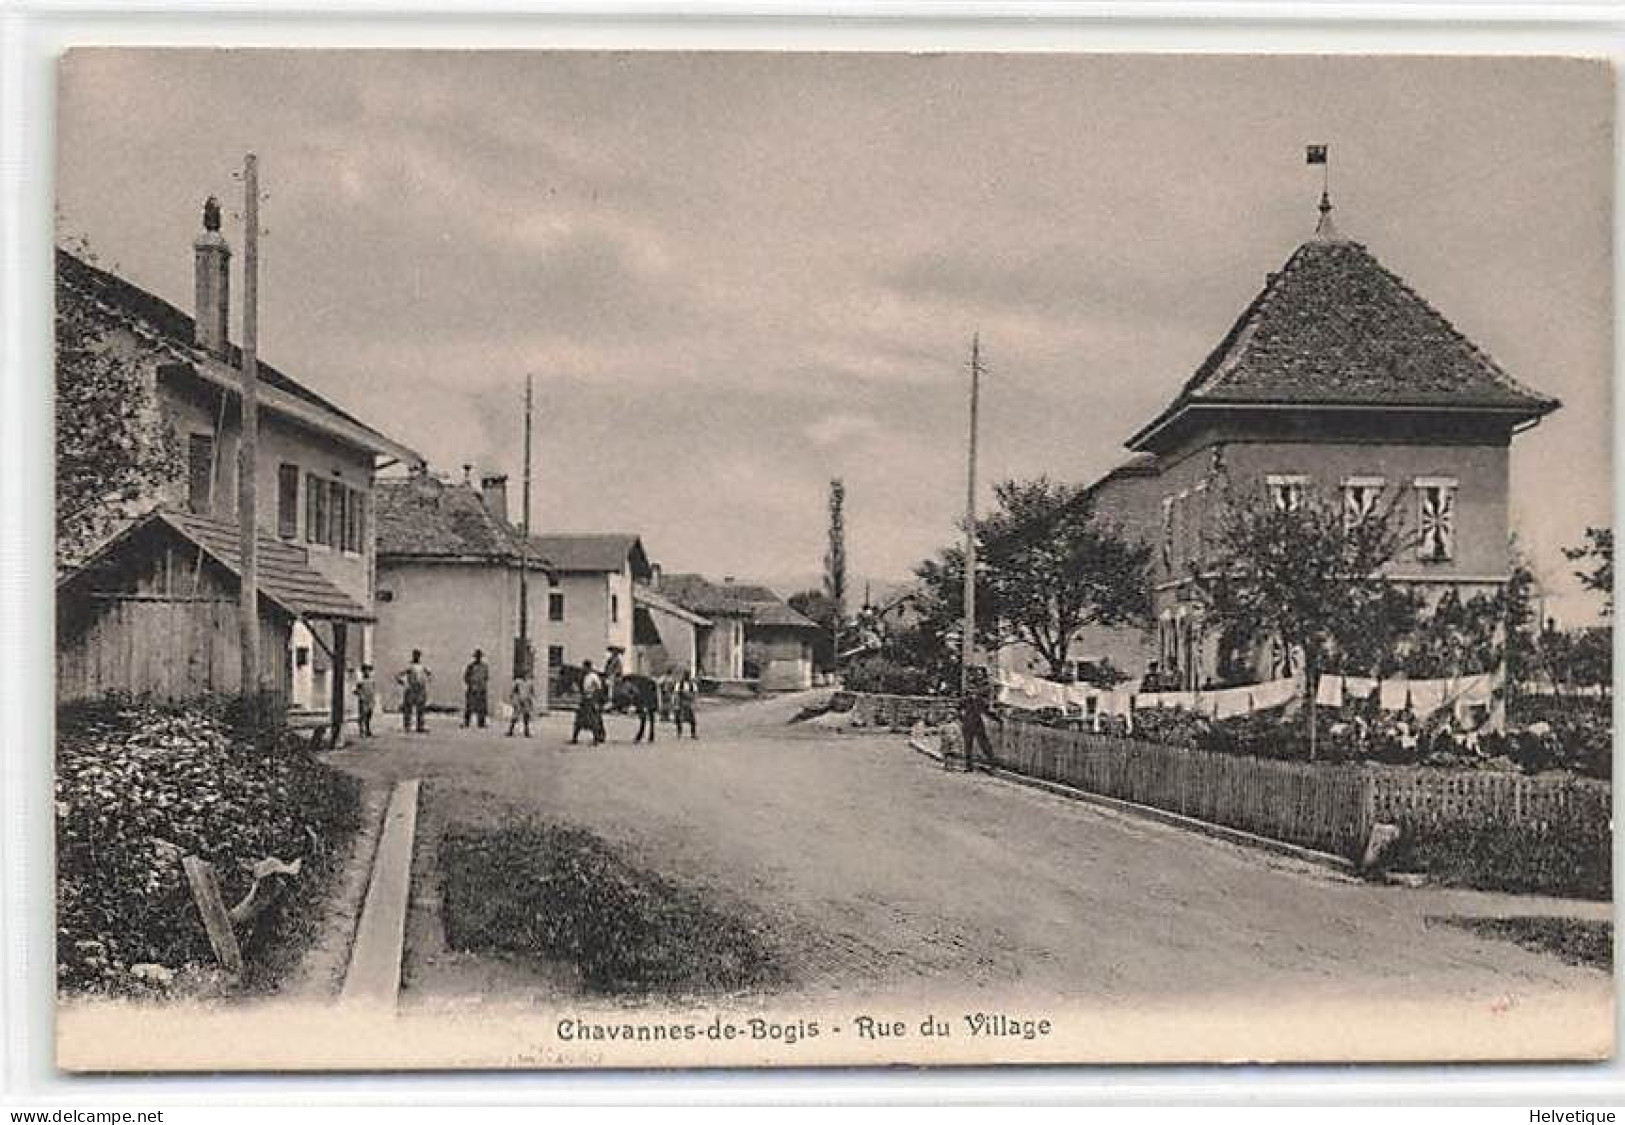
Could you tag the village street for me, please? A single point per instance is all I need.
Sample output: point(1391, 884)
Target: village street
point(874, 871)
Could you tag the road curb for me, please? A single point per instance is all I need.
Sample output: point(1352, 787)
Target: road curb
point(1162, 816)
point(374, 974)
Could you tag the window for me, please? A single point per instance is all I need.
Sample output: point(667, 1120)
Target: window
point(318, 528)
point(555, 607)
point(1168, 534)
point(555, 656)
point(1361, 495)
point(1286, 492)
point(614, 607)
point(1435, 518)
point(287, 501)
point(200, 473)
point(338, 504)
point(355, 522)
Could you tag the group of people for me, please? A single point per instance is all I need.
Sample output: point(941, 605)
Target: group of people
point(670, 696)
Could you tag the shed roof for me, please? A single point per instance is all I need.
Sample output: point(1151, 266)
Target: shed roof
point(286, 578)
point(642, 595)
point(1334, 327)
point(759, 605)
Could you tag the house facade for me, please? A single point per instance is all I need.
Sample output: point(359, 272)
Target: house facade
point(315, 463)
point(1340, 381)
point(449, 570)
point(589, 603)
point(754, 637)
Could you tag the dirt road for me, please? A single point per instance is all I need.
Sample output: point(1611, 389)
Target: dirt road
point(875, 872)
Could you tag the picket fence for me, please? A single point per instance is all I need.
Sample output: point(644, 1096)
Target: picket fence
point(1329, 808)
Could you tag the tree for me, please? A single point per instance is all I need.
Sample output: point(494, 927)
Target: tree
point(1598, 555)
point(111, 445)
point(1049, 568)
point(835, 555)
point(1306, 576)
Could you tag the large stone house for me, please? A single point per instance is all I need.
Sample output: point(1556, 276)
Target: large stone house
point(1339, 379)
point(589, 602)
point(315, 474)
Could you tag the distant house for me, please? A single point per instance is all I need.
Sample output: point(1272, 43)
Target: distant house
point(315, 472)
point(1337, 379)
point(754, 635)
point(589, 602)
point(449, 567)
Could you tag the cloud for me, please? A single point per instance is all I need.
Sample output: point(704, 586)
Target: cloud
point(834, 429)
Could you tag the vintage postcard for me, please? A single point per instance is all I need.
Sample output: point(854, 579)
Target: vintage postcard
point(696, 559)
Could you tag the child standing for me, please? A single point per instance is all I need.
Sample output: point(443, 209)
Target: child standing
point(522, 698)
point(366, 698)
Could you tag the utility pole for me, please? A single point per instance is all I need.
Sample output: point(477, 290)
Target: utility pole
point(968, 641)
point(522, 657)
point(248, 446)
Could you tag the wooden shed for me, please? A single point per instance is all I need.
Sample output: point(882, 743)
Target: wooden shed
point(155, 611)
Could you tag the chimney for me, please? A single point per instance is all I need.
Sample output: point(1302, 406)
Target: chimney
point(211, 256)
point(494, 491)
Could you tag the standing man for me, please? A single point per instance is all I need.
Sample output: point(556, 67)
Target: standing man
point(973, 727)
point(682, 703)
point(612, 678)
point(414, 680)
point(522, 698)
point(589, 710)
point(476, 689)
point(646, 697)
point(366, 698)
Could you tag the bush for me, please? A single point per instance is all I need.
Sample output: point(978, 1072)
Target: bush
point(1510, 858)
point(562, 894)
point(878, 675)
point(140, 784)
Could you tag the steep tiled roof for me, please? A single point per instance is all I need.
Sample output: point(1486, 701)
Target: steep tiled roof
point(424, 516)
point(164, 321)
point(286, 577)
point(644, 596)
point(1334, 327)
point(732, 599)
point(592, 552)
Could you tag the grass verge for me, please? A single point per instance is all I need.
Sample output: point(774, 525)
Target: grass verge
point(562, 894)
point(1578, 941)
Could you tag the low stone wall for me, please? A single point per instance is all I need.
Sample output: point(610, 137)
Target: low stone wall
point(895, 712)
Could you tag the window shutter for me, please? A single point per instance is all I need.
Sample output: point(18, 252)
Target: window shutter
point(200, 473)
point(1435, 519)
point(287, 501)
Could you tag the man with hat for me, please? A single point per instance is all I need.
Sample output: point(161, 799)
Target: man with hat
point(476, 689)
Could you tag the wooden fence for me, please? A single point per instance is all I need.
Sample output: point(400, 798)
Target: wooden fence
point(1319, 807)
point(1419, 799)
point(1330, 808)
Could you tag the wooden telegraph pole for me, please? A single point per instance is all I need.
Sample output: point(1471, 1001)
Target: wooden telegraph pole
point(522, 657)
point(968, 642)
point(248, 446)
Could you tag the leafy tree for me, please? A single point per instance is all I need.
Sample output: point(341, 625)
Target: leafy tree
point(1597, 554)
point(111, 445)
point(1049, 567)
point(1305, 576)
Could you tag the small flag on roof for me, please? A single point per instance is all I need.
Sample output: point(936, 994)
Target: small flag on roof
point(1316, 154)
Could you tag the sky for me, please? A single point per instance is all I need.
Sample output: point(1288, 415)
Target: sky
point(736, 276)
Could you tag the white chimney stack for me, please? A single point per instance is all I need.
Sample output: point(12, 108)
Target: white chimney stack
point(212, 261)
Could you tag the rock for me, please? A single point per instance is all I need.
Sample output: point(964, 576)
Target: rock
point(1382, 838)
point(158, 976)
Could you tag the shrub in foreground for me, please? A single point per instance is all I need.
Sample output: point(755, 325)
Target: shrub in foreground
point(141, 784)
